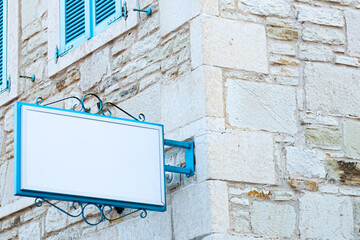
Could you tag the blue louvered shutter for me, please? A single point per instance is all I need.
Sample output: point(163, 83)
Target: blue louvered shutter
point(3, 36)
point(74, 18)
point(105, 12)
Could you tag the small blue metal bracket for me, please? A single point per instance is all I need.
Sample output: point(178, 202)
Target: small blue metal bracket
point(27, 77)
point(61, 54)
point(147, 11)
point(124, 11)
point(189, 168)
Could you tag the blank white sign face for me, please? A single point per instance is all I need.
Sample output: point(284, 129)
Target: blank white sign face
point(76, 154)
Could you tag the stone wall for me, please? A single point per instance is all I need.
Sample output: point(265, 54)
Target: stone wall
point(267, 89)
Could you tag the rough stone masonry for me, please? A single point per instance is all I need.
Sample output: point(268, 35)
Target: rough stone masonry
point(269, 90)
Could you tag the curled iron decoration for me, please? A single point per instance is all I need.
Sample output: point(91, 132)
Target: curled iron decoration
point(100, 105)
point(104, 211)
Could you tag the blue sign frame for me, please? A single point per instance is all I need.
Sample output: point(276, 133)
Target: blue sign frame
point(18, 191)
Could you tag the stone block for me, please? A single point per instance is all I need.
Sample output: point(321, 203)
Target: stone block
point(324, 137)
point(183, 100)
point(157, 225)
point(346, 172)
point(261, 106)
point(234, 44)
point(352, 18)
point(315, 33)
point(352, 138)
point(241, 221)
point(282, 33)
point(92, 72)
point(147, 102)
point(242, 156)
point(184, 10)
point(273, 219)
point(192, 211)
point(8, 188)
point(30, 230)
point(55, 220)
point(325, 217)
point(303, 163)
point(349, 61)
point(282, 48)
point(219, 205)
point(332, 89)
point(320, 15)
point(279, 8)
point(315, 53)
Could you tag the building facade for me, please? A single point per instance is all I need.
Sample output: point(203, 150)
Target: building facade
point(268, 90)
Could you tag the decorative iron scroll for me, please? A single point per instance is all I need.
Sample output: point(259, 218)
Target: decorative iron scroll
point(104, 210)
point(100, 104)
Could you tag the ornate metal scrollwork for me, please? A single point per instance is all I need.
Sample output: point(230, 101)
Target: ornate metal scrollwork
point(101, 106)
point(104, 210)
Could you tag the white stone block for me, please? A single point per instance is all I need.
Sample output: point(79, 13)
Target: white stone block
point(315, 53)
point(304, 163)
point(352, 138)
point(30, 230)
point(315, 33)
point(242, 156)
point(320, 15)
point(332, 89)
point(261, 106)
point(192, 211)
point(353, 31)
point(273, 219)
point(92, 72)
point(175, 13)
point(183, 100)
point(157, 225)
point(234, 44)
point(55, 219)
point(219, 203)
point(279, 8)
point(325, 217)
point(350, 61)
point(283, 48)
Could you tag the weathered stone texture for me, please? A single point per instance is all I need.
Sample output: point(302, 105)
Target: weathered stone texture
point(353, 31)
point(279, 8)
point(325, 217)
point(273, 219)
point(304, 163)
point(325, 16)
point(316, 33)
point(352, 138)
point(242, 156)
point(235, 44)
point(332, 89)
point(261, 106)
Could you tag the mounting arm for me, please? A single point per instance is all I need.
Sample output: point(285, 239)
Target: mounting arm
point(189, 168)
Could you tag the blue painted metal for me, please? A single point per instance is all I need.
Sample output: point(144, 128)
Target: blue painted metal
point(189, 169)
point(104, 210)
point(81, 201)
point(81, 20)
point(8, 84)
point(32, 78)
point(148, 11)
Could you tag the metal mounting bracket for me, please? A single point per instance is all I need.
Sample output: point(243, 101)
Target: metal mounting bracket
point(189, 168)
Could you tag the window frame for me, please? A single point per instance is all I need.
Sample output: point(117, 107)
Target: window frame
point(114, 30)
point(4, 86)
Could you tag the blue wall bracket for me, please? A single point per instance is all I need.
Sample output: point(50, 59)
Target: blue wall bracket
point(189, 168)
point(147, 11)
point(32, 78)
point(8, 83)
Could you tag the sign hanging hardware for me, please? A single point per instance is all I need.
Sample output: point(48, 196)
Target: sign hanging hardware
point(27, 77)
point(148, 11)
point(105, 208)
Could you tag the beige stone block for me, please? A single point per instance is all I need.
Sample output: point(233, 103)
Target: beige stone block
point(30, 230)
point(242, 156)
point(214, 91)
point(261, 106)
point(325, 217)
point(234, 44)
point(279, 8)
point(273, 219)
point(320, 15)
point(157, 225)
point(352, 138)
point(219, 205)
point(55, 220)
point(352, 18)
point(328, 138)
point(196, 42)
point(192, 208)
point(183, 100)
point(175, 13)
point(332, 89)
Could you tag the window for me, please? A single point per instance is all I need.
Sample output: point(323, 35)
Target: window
point(83, 19)
point(3, 45)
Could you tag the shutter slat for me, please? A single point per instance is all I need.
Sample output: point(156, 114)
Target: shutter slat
point(74, 19)
point(103, 10)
